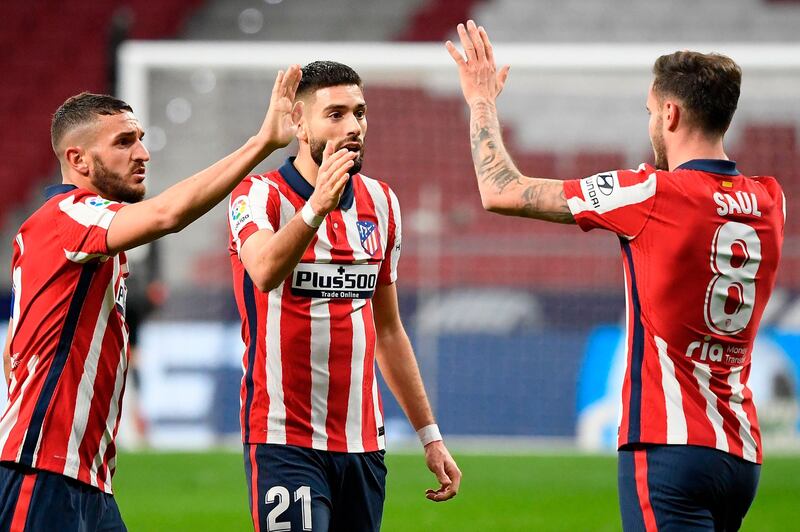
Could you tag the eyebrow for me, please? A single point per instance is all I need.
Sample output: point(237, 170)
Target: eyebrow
point(340, 107)
point(129, 133)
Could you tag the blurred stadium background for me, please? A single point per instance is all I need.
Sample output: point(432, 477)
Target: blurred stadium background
point(516, 323)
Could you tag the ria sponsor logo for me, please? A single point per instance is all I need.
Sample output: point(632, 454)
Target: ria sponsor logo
point(335, 281)
point(716, 352)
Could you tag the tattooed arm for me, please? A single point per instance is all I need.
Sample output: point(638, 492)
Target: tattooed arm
point(503, 188)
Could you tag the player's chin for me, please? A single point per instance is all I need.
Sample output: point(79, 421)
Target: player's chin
point(356, 168)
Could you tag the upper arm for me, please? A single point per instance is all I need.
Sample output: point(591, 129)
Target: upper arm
point(137, 224)
point(250, 253)
point(394, 242)
point(386, 310)
point(619, 201)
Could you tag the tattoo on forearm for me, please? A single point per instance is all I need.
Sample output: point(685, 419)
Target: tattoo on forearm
point(496, 171)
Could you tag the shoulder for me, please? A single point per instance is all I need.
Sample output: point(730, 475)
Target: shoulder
point(374, 186)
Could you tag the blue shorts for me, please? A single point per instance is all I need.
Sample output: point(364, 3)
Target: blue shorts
point(684, 488)
point(294, 488)
point(41, 501)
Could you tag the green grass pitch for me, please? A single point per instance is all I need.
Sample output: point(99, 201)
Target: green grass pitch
point(206, 492)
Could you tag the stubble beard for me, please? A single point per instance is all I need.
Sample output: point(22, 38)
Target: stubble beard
point(317, 148)
point(112, 185)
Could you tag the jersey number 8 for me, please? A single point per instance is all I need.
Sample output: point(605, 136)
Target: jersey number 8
point(731, 294)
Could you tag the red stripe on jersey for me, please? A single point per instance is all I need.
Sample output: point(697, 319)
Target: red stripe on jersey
point(699, 429)
point(654, 405)
point(296, 365)
point(729, 422)
point(626, 383)
point(369, 431)
point(386, 267)
point(54, 448)
point(643, 490)
point(340, 356)
point(255, 503)
point(20, 518)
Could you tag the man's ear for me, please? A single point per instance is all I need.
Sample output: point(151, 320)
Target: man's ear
point(298, 118)
point(673, 114)
point(77, 159)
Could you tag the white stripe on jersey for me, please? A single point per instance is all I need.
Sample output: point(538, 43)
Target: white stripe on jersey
point(83, 401)
point(21, 244)
point(381, 208)
point(80, 257)
point(11, 415)
point(16, 281)
point(398, 235)
point(673, 399)
point(320, 376)
point(749, 444)
point(378, 415)
point(113, 412)
point(276, 417)
point(288, 210)
point(354, 424)
point(320, 351)
point(86, 215)
point(702, 372)
point(259, 194)
point(619, 197)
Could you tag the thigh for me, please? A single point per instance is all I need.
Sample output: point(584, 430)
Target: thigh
point(734, 502)
point(288, 488)
point(659, 491)
point(360, 493)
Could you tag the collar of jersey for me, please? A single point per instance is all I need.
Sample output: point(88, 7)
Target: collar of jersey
point(54, 190)
point(712, 166)
point(304, 188)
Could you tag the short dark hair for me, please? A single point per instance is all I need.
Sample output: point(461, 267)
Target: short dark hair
point(708, 85)
point(321, 74)
point(81, 109)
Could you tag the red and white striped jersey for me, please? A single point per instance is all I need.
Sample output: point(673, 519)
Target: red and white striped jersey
point(69, 348)
point(309, 364)
point(700, 248)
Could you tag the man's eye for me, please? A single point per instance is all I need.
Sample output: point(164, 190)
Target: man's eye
point(335, 115)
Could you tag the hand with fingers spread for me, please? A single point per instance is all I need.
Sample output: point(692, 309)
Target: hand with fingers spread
point(480, 79)
point(280, 125)
point(441, 464)
point(331, 179)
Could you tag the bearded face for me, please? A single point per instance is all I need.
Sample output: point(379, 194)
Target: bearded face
point(659, 149)
point(317, 147)
point(116, 186)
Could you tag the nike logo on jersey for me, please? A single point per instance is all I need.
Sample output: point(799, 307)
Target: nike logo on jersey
point(742, 203)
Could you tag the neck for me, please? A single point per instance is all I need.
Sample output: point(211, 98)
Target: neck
point(307, 167)
point(695, 146)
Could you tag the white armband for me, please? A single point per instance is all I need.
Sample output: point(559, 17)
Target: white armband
point(311, 218)
point(429, 433)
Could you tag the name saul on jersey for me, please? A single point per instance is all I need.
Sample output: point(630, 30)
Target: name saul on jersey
point(335, 281)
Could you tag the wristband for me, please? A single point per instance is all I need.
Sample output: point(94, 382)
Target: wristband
point(429, 433)
point(311, 218)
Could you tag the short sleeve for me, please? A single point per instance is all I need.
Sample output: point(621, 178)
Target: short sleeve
point(83, 223)
point(620, 201)
point(254, 205)
point(394, 243)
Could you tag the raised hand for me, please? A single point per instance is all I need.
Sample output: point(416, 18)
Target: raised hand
point(331, 179)
point(480, 80)
point(279, 127)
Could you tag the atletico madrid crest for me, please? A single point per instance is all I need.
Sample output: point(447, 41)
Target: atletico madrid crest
point(370, 238)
